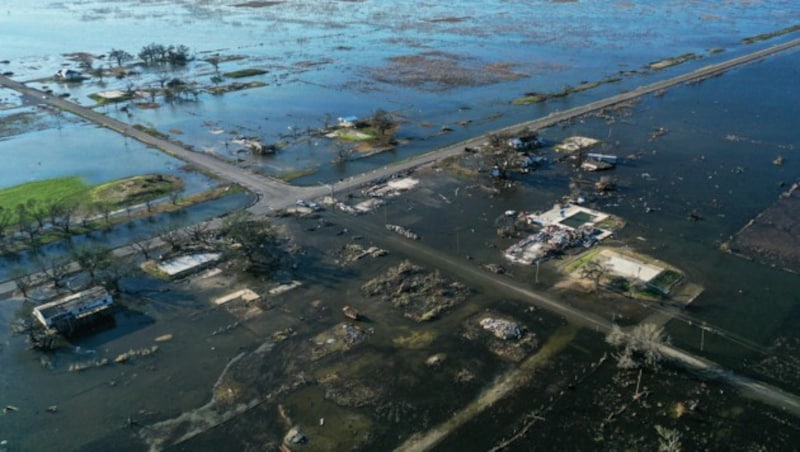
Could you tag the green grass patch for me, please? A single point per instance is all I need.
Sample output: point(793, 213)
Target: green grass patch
point(666, 280)
point(289, 176)
point(611, 223)
point(43, 192)
point(235, 86)
point(242, 73)
point(533, 98)
point(151, 267)
point(365, 134)
point(674, 61)
point(770, 35)
point(113, 100)
point(579, 262)
point(134, 190)
point(151, 131)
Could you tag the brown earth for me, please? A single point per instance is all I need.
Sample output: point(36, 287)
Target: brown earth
point(773, 237)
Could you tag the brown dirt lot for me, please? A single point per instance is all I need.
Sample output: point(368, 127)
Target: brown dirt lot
point(773, 237)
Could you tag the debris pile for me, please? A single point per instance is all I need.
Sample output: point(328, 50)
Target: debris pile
point(402, 231)
point(502, 329)
point(421, 294)
point(135, 353)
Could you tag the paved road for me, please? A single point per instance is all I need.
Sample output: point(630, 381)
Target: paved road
point(558, 117)
point(504, 286)
point(272, 192)
point(275, 194)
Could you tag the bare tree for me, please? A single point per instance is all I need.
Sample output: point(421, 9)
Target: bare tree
point(172, 237)
point(259, 243)
point(641, 347)
point(593, 271)
point(114, 271)
point(143, 246)
point(120, 56)
point(105, 209)
point(56, 268)
point(38, 212)
point(199, 233)
point(23, 279)
point(91, 258)
point(217, 79)
point(214, 61)
point(28, 225)
point(669, 440)
point(174, 197)
point(61, 215)
point(6, 219)
point(381, 121)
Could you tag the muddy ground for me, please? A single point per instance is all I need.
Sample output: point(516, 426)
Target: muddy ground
point(773, 237)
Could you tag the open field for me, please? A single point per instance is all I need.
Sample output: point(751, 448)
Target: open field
point(41, 196)
point(42, 192)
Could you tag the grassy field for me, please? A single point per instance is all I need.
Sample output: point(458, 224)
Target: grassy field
point(43, 192)
point(118, 193)
point(134, 190)
point(242, 73)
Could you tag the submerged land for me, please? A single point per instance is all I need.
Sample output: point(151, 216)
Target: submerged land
point(547, 283)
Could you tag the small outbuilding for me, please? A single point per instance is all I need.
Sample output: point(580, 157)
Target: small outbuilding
point(69, 75)
point(68, 313)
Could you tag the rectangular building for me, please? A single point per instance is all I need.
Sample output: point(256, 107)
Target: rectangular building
point(67, 313)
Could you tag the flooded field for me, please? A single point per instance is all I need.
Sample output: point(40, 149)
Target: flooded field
point(357, 337)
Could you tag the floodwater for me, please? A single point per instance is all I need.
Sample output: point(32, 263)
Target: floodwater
point(695, 166)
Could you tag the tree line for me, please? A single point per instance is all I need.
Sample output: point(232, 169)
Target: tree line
point(154, 54)
point(29, 224)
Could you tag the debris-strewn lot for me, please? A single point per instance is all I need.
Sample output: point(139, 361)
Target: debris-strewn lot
point(773, 237)
point(422, 295)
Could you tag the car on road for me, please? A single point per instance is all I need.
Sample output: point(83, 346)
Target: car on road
point(308, 204)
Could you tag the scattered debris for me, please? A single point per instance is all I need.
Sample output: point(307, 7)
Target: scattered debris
point(135, 353)
point(658, 132)
point(246, 295)
point(79, 367)
point(294, 436)
point(435, 360)
point(421, 294)
point(353, 252)
point(575, 143)
point(495, 268)
point(502, 329)
point(164, 338)
point(283, 288)
point(402, 231)
point(350, 312)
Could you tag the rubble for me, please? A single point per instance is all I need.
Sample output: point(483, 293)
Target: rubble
point(575, 143)
point(502, 329)
point(402, 231)
point(421, 294)
point(294, 436)
point(435, 360)
point(135, 353)
point(353, 252)
point(340, 338)
point(503, 336)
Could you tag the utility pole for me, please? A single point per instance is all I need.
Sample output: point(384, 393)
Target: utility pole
point(702, 337)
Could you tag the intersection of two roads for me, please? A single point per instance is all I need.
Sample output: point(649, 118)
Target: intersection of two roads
point(274, 194)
